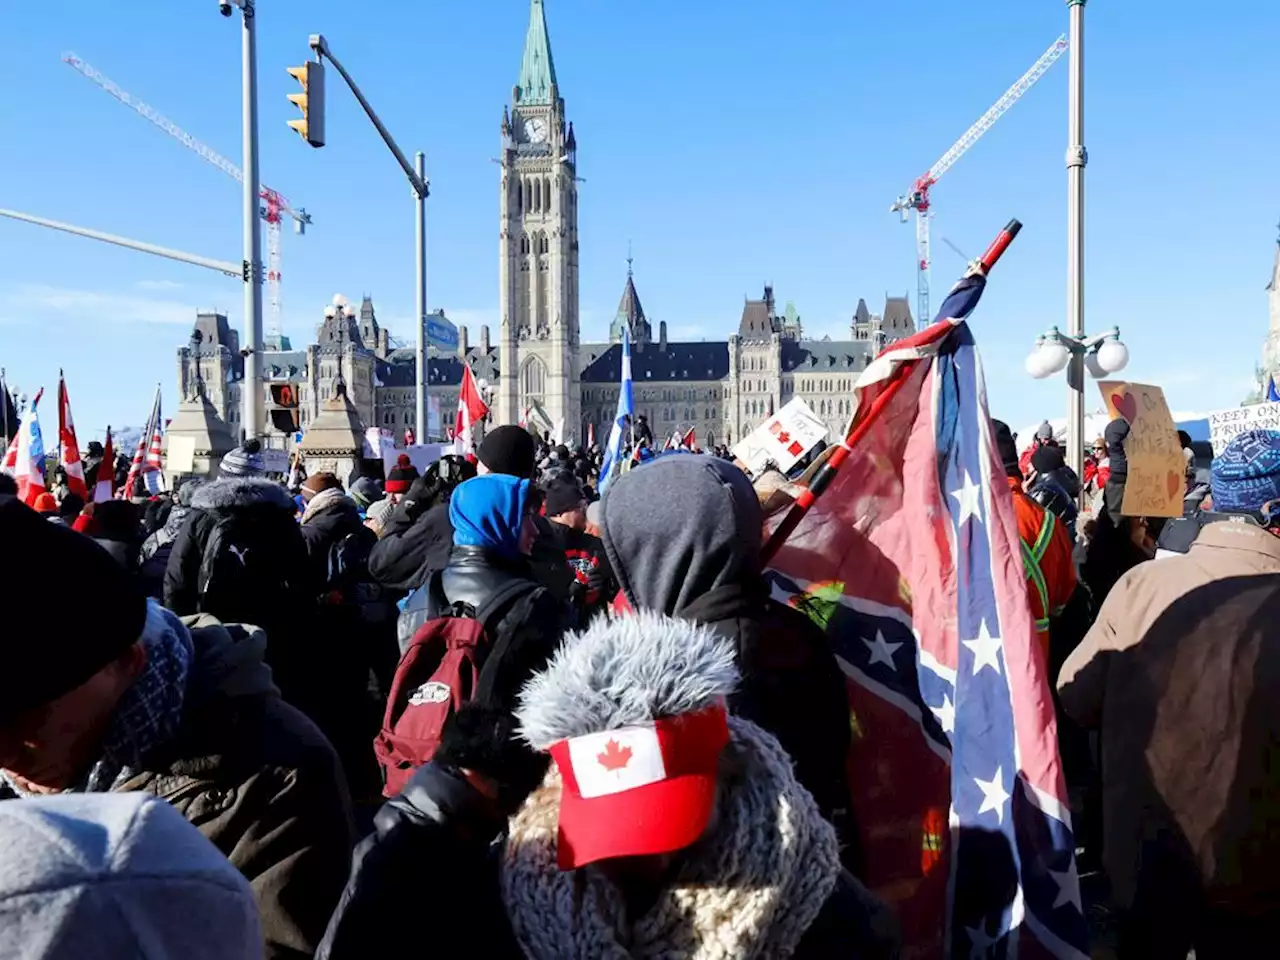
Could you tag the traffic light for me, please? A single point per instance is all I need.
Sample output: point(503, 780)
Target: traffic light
point(310, 101)
point(284, 407)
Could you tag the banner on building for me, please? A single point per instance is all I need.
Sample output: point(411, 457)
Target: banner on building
point(441, 333)
point(784, 438)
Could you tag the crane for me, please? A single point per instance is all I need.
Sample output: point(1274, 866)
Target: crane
point(918, 199)
point(275, 207)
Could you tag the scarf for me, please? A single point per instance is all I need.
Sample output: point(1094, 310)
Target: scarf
point(750, 888)
point(320, 502)
point(148, 715)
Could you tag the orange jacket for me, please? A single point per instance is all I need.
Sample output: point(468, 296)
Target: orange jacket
point(1053, 547)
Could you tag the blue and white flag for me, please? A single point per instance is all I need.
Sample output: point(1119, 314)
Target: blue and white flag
point(1273, 395)
point(621, 422)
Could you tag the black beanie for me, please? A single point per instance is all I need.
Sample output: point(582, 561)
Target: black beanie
point(563, 494)
point(1007, 448)
point(510, 450)
point(38, 669)
point(1047, 459)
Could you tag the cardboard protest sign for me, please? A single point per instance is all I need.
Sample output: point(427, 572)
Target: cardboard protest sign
point(1156, 482)
point(784, 438)
point(1226, 425)
point(180, 454)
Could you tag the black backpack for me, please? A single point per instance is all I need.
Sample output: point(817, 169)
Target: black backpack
point(241, 579)
point(347, 568)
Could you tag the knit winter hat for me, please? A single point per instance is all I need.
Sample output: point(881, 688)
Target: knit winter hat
point(45, 504)
point(402, 475)
point(244, 461)
point(563, 494)
point(632, 712)
point(1246, 475)
point(1044, 431)
point(1048, 459)
point(1007, 447)
point(34, 672)
point(366, 491)
point(318, 482)
point(379, 510)
point(508, 449)
point(112, 875)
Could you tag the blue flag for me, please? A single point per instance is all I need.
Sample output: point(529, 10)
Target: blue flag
point(1273, 395)
point(621, 421)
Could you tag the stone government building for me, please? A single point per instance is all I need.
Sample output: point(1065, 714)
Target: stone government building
point(539, 371)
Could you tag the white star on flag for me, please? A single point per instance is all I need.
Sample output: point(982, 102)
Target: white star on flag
point(986, 650)
point(882, 651)
point(994, 796)
point(946, 715)
point(1068, 882)
point(967, 499)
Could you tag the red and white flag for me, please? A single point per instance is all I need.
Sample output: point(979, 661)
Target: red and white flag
point(409, 438)
point(146, 458)
point(24, 460)
point(690, 440)
point(471, 410)
point(105, 487)
point(68, 447)
point(591, 435)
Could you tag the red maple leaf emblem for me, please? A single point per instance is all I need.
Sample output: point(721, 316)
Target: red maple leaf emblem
point(615, 757)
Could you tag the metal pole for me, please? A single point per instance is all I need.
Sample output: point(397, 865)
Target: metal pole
point(252, 402)
point(420, 299)
point(1077, 158)
point(222, 266)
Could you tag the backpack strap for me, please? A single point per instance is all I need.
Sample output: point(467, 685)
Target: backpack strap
point(500, 600)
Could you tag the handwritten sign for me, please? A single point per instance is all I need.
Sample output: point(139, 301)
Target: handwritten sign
point(1226, 425)
point(784, 438)
point(1157, 471)
point(180, 454)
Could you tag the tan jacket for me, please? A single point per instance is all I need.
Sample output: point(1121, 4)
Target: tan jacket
point(1181, 673)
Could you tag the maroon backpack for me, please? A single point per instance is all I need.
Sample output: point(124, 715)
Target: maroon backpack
point(436, 675)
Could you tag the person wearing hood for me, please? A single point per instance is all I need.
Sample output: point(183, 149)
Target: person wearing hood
point(1180, 675)
point(365, 492)
point(143, 702)
point(93, 876)
point(241, 557)
point(683, 537)
point(663, 826)
point(493, 533)
point(593, 586)
point(159, 545)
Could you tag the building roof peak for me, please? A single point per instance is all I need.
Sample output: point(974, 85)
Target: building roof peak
point(537, 69)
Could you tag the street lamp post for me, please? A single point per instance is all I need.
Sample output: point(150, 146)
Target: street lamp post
point(1077, 158)
point(251, 349)
point(1101, 355)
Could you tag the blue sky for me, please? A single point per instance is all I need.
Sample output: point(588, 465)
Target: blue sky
point(730, 143)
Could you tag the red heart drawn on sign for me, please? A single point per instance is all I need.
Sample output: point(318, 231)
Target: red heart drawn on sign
point(1173, 483)
point(1126, 405)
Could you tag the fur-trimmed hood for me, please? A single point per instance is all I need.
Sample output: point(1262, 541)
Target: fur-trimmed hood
point(228, 492)
point(622, 671)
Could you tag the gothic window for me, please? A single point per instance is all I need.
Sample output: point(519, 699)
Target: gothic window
point(528, 196)
point(534, 378)
point(546, 194)
point(517, 199)
point(524, 243)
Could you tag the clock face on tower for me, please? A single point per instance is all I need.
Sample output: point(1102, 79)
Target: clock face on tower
point(535, 128)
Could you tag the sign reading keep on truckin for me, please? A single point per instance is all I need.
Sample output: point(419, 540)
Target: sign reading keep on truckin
point(1226, 425)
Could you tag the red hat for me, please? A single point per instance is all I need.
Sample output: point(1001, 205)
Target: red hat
point(638, 790)
point(402, 475)
point(45, 504)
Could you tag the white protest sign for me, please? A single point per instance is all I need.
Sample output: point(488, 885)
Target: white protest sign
point(1226, 425)
point(784, 438)
point(180, 454)
point(421, 455)
point(276, 461)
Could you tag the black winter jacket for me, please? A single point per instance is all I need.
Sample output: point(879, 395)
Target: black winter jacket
point(399, 874)
point(412, 547)
point(324, 529)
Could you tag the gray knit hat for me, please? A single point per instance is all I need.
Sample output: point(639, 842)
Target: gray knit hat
point(379, 510)
point(244, 461)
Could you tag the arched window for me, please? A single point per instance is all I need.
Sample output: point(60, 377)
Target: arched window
point(524, 243)
point(546, 194)
point(534, 378)
point(528, 197)
point(517, 198)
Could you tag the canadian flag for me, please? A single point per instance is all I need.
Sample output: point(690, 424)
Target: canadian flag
point(105, 488)
point(471, 410)
point(617, 760)
point(24, 460)
point(690, 441)
point(68, 447)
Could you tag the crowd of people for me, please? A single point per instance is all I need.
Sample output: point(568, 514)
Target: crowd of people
point(536, 722)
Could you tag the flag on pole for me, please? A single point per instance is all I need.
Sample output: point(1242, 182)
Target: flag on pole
point(471, 410)
point(68, 447)
point(146, 457)
point(1273, 395)
point(9, 417)
point(690, 439)
point(591, 435)
point(622, 419)
point(24, 460)
point(912, 564)
point(105, 488)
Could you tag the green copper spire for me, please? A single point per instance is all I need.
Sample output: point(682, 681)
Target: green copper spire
point(537, 69)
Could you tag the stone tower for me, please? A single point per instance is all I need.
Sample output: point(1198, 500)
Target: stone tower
point(538, 247)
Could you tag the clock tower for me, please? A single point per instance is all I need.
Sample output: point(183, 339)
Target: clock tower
point(539, 379)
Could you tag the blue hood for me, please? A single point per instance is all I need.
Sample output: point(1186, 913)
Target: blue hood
point(488, 512)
